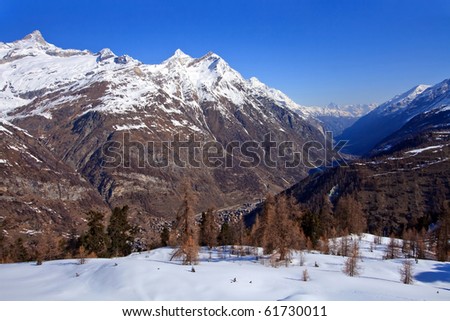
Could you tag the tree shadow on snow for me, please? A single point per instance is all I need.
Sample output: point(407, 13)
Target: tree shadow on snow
point(440, 273)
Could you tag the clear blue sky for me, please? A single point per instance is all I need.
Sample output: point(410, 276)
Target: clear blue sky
point(316, 51)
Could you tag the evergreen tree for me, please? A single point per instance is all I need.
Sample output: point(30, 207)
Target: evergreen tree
point(73, 243)
point(119, 233)
point(3, 252)
point(226, 234)
point(208, 229)
point(95, 239)
point(326, 215)
point(186, 232)
point(443, 234)
point(311, 227)
point(20, 253)
point(165, 236)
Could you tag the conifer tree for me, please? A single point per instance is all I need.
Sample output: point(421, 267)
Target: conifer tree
point(95, 239)
point(208, 229)
point(311, 226)
point(226, 234)
point(20, 253)
point(119, 233)
point(443, 235)
point(185, 231)
point(3, 252)
point(165, 236)
point(326, 215)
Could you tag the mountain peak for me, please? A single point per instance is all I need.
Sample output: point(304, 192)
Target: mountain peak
point(36, 36)
point(211, 55)
point(180, 54)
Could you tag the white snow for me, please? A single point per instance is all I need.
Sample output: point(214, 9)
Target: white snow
point(3, 129)
point(420, 150)
point(152, 276)
point(130, 126)
point(399, 102)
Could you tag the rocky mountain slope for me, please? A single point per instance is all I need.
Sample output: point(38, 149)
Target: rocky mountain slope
point(76, 102)
point(401, 188)
point(389, 117)
point(37, 190)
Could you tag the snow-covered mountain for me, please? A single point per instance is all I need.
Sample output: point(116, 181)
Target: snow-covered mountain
point(335, 110)
point(383, 122)
point(336, 118)
point(75, 101)
point(31, 68)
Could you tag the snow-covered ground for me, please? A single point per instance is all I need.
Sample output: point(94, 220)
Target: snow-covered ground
point(152, 276)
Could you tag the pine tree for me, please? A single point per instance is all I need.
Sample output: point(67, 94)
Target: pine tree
point(226, 234)
point(72, 244)
point(208, 229)
point(165, 236)
point(95, 239)
point(311, 227)
point(119, 233)
point(186, 232)
point(20, 253)
point(3, 252)
point(443, 235)
point(326, 215)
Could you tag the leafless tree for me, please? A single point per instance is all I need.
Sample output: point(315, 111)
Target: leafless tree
point(406, 272)
point(185, 231)
point(305, 275)
point(351, 266)
point(392, 249)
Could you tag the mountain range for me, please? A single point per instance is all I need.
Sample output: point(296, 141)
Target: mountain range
point(65, 105)
point(61, 109)
point(420, 108)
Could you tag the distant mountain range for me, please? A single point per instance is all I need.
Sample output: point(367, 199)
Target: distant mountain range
point(419, 109)
point(336, 118)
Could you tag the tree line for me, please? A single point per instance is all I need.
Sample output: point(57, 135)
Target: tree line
point(282, 226)
point(115, 239)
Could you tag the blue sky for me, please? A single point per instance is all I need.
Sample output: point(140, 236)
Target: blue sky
point(316, 51)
